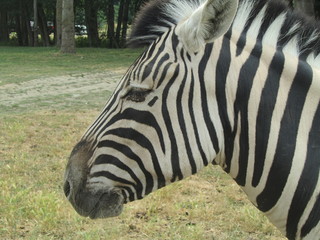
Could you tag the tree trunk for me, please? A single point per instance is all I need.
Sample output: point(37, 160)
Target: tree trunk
point(4, 32)
point(43, 26)
point(125, 22)
point(35, 22)
point(306, 6)
point(68, 31)
point(91, 14)
point(23, 28)
point(58, 25)
point(119, 24)
point(26, 28)
point(110, 22)
point(19, 30)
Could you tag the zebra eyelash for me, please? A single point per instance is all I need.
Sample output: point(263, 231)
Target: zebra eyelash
point(136, 94)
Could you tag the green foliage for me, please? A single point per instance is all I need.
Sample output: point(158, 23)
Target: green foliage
point(82, 41)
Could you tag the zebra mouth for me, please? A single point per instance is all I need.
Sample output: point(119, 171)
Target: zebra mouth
point(94, 200)
point(101, 204)
point(109, 204)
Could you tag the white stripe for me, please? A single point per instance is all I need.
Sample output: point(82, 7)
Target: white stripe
point(253, 108)
point(255, 26)
point(272, 33)
point(242, 16)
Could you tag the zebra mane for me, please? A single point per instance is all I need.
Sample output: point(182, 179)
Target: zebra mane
point(156, 17)
point(303, 34)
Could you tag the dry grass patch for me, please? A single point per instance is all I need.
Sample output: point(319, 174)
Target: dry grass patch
point(33, 152)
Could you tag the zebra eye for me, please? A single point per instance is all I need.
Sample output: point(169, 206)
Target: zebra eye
point(136, 94)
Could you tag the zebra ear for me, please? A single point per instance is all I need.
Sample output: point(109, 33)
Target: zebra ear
point(210, 21)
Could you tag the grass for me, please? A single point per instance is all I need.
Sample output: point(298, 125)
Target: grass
point(34, 146)
point(19, 64)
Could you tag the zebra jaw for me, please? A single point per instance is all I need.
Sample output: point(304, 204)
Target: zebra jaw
point(90, 200)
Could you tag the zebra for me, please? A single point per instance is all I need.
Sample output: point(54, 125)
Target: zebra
point(226, 82)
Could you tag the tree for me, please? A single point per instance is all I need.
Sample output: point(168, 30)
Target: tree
point(119, 23)
point(43, 25)
point(91, 13)
point(110, 23)
point(28, 18)
point(122, 25)
point(4, 32)
point(68, 31)
point(125, 19)
point(23, 27)
point(35, 22)
point(4, 29)
point(58, 23)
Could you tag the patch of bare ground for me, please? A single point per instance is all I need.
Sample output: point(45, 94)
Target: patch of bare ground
point(58, 91)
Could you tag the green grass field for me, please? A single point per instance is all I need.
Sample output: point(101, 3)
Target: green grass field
point(35, 142)
point(19, 64)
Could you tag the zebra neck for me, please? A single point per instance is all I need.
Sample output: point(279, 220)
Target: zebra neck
point(268, 101)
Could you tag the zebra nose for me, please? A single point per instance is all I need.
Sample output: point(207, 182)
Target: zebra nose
point(67, 188)
point(76, 171)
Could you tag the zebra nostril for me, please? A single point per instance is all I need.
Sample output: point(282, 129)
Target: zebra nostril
point(67, 188)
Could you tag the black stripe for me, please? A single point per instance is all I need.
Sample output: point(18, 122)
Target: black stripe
point(286, 145)
point(153, 101)
point(222, 70)
point(246, 77)
point(141, 140)
point(175, 41)
point(181, 118)
point(175, 161)
point(106, 112)
point(285, 35)
point(313, 219)
point(150, 51)
point(188, 56)
point(241, 43)
point(159, 64)
point(124, 191)
point(111, 160)
point(193, 120)
point(109, 104)
point(148, 69)
point(265, 111)
point(256, 9)
point(137, 64)
point(115, 178)
point(125, 150)
point(142, 117)
point(147, 118)
point(307, 183)
point(164, 74)
point(204, 97)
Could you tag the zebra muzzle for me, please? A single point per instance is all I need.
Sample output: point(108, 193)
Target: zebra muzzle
point(90, 200)
point(95, 204)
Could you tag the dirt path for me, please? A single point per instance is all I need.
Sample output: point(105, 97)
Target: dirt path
point(54, 89)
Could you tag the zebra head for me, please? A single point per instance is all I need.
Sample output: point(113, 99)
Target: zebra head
point(156, 128)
